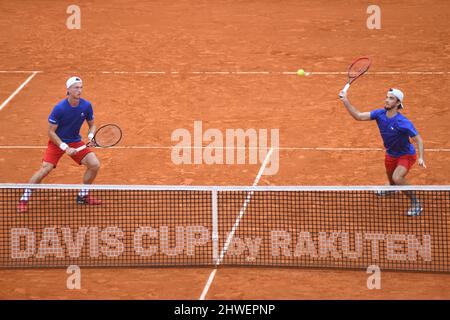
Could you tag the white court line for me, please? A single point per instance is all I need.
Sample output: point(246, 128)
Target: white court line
point(339, 149)
point(309, 73)
point(235, 226)
point(19, 71)
point(17, 90)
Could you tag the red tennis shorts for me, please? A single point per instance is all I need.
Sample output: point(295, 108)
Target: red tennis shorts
point(54, 153)
point(406, 161)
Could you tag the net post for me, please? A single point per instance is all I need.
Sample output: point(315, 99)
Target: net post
point(215, 226)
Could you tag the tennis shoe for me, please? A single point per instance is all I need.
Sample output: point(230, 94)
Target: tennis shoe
point(415, 209)
point(88, 200)
point(22, 207)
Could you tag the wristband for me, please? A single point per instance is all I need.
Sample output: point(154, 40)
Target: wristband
point(90, 136)
point(63, 146)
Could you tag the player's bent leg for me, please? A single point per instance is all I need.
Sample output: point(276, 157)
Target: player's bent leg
point(390, 179)
point(384, 193)
point(399, 178)
point(92, 167)
point(37, 177)
point(45, 169)
point(390, 163)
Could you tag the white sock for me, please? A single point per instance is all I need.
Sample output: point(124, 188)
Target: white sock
point(83, 193)
point(26, 195)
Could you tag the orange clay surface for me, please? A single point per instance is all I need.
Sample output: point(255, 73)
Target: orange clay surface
point(193, 36)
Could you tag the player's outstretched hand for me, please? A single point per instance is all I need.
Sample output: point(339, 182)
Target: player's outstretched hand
point(71, 151)
point(421, 162)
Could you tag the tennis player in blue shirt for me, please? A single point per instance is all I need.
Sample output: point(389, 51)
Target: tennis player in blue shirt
point(65, 122)
point(396, 131)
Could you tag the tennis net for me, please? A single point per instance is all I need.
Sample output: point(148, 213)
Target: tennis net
point(335, 227)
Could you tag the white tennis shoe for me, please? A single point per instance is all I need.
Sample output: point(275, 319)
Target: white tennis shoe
point(415, 210)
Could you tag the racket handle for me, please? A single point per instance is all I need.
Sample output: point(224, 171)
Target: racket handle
point(81, 148)
point(346, 87)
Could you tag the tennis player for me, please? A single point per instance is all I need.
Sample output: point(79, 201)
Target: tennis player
point(65, 122)
point(396, 131)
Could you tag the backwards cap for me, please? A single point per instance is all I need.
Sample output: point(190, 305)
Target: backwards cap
point(71, 81)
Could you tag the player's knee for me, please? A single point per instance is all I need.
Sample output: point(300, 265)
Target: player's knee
point(397, 178)
point(46, 168)
point(94, 164)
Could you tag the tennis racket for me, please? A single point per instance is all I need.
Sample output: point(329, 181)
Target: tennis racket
point(105, 137)
point(356, 70)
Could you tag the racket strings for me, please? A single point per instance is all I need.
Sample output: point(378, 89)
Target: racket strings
point(359, 67)
point(108, 136)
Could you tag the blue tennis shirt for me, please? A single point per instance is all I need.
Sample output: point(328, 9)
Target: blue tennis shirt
point(70, 119)
point(395, 132)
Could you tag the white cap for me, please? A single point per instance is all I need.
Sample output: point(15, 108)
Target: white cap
point(72, 81)
point(398, 94)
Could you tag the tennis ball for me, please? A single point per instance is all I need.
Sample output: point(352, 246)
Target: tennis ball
point(301, 72)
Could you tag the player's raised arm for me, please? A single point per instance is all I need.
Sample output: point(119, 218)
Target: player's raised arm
point(357, 115)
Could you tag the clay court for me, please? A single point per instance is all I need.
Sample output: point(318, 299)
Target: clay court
point(154, 67)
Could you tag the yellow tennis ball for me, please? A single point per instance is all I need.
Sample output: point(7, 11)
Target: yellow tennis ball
point(301, 72)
